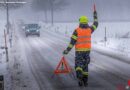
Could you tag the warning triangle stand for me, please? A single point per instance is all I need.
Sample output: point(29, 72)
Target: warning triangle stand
point(63, 67)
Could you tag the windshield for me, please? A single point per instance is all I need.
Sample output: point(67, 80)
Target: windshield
point(32, 26)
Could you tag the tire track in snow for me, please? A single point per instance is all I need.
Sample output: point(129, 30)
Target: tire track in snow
point(104, 69)
point(54, 45)
point(56, 87)
point(32, 67)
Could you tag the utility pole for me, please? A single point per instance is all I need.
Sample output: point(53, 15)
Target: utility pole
point(105, 38)
point(7, 13)
point(52, 11)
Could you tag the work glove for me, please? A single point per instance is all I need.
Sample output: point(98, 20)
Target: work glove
point(65, 52)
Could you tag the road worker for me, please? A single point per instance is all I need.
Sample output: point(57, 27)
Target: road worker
point(81, 39)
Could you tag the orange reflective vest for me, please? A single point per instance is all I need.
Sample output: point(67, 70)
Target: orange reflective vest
point(83, 39)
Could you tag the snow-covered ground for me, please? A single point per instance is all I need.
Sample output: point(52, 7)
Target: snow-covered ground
point(22, 78)
point(33, 59)
point(114, 34)
point(1, 37)
point(4, 66)
point(116, 44)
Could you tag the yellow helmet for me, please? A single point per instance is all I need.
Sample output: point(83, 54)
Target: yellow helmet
point(83, 20)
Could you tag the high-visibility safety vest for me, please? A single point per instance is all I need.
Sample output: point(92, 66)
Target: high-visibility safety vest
point(83, 39)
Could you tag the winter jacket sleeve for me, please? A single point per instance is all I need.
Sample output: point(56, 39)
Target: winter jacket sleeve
point(95, 23)
point(72, 41)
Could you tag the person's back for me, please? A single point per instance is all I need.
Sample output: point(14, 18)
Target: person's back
point(81, 39)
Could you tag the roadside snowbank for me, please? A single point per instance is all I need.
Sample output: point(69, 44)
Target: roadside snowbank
point(121, 45)
point(114, 32)
point(4, 67)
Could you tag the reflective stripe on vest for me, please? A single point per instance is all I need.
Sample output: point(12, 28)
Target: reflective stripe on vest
point(84, 39)
point(84, 42)
point(83, 49)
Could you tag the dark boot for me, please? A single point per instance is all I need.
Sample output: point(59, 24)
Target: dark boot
point(79, 77)
point(85, 81)
point(80, 82)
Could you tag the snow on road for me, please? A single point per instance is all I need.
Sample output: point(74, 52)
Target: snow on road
point(39, 56)
point(21, 76)
point(34, 59)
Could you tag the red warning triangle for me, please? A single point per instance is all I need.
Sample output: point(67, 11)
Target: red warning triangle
point(63, 67)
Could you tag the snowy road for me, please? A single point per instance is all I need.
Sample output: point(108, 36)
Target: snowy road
point(43, 54)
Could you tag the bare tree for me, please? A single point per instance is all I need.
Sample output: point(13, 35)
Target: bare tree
point(49, 5)
point(41, 5)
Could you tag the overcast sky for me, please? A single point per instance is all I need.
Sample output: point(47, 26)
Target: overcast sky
point(108, 10)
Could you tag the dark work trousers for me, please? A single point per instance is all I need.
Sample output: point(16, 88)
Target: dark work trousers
point(82, 60)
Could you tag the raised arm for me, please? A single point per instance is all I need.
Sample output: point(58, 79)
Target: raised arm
point(95, 23)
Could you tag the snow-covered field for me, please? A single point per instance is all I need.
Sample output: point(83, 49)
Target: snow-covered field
point(115, 31)
point(116, 44)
